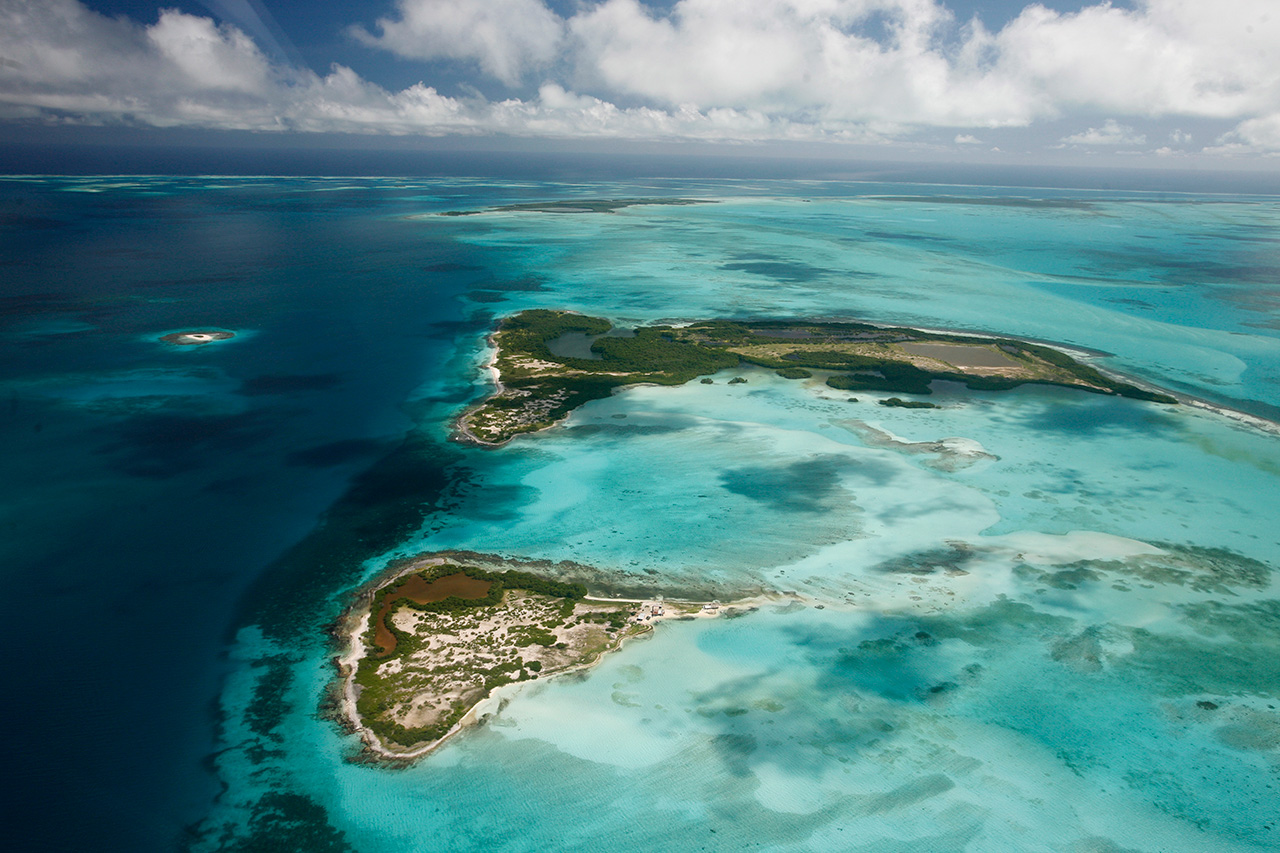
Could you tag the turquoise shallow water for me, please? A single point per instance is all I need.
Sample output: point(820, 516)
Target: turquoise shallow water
point(1030, 620)
point(1180, 292)
point(1036, 620)
point(1002, 659)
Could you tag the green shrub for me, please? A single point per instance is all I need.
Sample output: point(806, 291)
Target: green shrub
point(899, 403)
point(653, 350)
point(888, 376)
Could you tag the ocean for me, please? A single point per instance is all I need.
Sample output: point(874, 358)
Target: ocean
point(1028, 620)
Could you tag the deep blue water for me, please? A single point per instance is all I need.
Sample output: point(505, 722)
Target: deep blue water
point(147, 486)
point(181, 523)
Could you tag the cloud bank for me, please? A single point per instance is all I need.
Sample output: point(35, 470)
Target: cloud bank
point(837, 70)
point(504, 37)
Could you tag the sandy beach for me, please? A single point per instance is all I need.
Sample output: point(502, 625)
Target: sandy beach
point(582, 647)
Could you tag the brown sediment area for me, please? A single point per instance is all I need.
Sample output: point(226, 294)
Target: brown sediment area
point(419, 590)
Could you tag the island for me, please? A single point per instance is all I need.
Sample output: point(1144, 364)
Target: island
point(436, 636)
point(198, 337)
point(586, 205)
point(547, 363)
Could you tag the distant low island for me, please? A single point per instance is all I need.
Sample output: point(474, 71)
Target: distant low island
point(437, 636)
point(586, 205)
point(197, 338)
point(548, 363)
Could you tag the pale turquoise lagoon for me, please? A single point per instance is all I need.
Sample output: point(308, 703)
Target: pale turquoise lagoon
point(1026, 640)
point(1035, 620)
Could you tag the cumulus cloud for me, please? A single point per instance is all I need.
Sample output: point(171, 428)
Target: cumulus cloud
point(211, 58)
point(506, 38)
point(1111, 133)
point(1254, 136)
point(856, 70)
point(813, 57)
point(65, 62)
point(1163, 57)
point(69, 62)
point(820, 56)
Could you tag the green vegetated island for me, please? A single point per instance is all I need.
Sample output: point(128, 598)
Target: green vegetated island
point(548, 363)
point(438, 636)
point(433, 639)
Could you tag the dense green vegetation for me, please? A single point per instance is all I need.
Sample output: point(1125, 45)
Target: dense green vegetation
point(784, 331)
point(529, 331)
point(542, 388)
point(375, 698)
point(899, 403)
point(655, 350)
point(653, 355)
point(377, 695)
point(886, 376)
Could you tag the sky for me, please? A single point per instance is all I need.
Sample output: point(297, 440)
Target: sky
point(1144, 81)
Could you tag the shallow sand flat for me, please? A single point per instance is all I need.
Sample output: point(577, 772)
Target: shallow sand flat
point(844, 719)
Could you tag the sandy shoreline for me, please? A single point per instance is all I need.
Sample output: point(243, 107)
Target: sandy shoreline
point(1089, 356)
point(1242, 418)
point(356, 625)
point(462, 432)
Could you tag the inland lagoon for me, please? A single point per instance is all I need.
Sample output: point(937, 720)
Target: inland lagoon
point(1032, 617)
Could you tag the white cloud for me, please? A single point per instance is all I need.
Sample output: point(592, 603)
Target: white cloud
point(811, 57)
point(66, 60)
point(1254, 136)
point(63, 61)
point(1111, 133)
point(209, 57)
point(816, 56)
point(1164, 57)
point(506, 37)
point(1262, 133)
point(850, 70)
